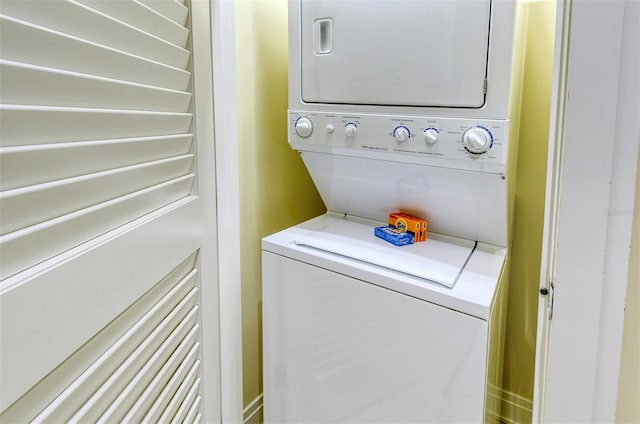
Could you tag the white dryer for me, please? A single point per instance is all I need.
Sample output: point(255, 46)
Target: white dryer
point(356, 329)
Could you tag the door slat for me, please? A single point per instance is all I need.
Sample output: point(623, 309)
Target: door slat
point(72, 18)
point(32, 44)
point(50, 162)
point(27, 206)
point(41, 86)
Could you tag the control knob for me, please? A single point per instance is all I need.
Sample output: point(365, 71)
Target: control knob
point(350, 129)
point(304, 127)
point(477, 140)
point(401, 133)
point(431, 136)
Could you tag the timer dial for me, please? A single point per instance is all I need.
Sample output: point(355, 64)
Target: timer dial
point(477, 140)
point(304, 127)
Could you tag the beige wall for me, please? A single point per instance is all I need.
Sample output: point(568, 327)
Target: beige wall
point(629, 384)
point(275, 189)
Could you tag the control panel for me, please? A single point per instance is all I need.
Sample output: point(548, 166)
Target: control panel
point(420, 139)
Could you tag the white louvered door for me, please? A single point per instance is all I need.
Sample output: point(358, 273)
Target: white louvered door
point(108, 261)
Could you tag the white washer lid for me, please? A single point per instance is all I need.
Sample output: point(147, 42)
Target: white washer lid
point(473, 293)
point(434, 260)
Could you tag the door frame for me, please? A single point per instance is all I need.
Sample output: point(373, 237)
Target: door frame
point(224, 115)
point(591, 187)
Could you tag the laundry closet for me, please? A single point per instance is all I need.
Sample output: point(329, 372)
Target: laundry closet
point(400, 107)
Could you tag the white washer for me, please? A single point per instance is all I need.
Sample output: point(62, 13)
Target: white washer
point(352, 340)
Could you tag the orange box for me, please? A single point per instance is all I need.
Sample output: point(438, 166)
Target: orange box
point(411, 224)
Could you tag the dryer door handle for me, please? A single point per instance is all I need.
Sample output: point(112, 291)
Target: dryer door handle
point(323, 36)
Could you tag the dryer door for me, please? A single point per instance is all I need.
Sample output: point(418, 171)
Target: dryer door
point(415, 53)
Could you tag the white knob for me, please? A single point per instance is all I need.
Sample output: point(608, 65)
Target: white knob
point(477, 140)
point(431, 136)
point(330, 128)
point(350, 130)
point(401, 134)
point(304, 127)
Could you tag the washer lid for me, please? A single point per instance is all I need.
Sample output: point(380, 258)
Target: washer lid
point(472, 294)
point(434, 260)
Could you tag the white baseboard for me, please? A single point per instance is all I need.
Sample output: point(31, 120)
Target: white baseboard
point(252, 414)
point(494, 404)
point(507, 407)
point(516, 409)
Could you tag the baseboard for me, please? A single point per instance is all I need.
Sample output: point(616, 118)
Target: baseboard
point(513, 408)
point(516, 409)
point(252, 414)
point(493, 404)
point(507, 407)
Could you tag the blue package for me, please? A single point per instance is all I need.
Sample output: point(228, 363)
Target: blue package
point(392, 235)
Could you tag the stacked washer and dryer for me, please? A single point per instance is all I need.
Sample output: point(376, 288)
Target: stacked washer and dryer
point(394, 106)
